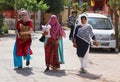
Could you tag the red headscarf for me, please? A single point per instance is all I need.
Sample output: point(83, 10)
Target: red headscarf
point(56, 29)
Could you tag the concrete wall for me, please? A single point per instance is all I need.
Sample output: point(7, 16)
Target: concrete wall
point(64, 16)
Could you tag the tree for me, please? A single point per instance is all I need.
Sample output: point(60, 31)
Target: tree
point(115, 8)
point(7, 4)
point(76, 7)
point(56, 6)
point(32, 5)
point(67, 2)
point(2, 7)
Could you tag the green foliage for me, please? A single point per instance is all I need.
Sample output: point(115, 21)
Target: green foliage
point(76, 7)
point(67, 2)
point(56, 6)
point(7, 4)
point(1, 21)
point(85, 7)
point(43, 7)
point(115, 5)
point(5, 29)
point(32, 5)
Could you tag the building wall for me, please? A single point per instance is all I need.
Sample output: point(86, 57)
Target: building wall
point(64, 16)
point(62, 19)
point(9, 13)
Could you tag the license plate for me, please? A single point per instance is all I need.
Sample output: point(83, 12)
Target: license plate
point(104, 44)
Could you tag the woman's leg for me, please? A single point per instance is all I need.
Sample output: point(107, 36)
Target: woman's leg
point(51, 54)
point(17, 59)
point(28, 57)
point(84, 60)
point(46, 59)
point(71, 32)
point(60, 52)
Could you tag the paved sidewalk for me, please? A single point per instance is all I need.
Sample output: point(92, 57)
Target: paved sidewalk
point(102, 66)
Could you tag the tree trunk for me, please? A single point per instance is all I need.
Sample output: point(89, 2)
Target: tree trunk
point(111, 14)
point(116, 28)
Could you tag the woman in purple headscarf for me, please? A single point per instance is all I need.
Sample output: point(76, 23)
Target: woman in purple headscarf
point(52, 45)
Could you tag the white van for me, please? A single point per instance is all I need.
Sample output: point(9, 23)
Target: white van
point(102, 28)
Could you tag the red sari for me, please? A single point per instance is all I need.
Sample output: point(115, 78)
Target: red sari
point(51, 53)
point(51, 46)
point(23, 48)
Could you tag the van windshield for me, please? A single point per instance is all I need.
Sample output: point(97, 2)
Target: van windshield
point(100, 23)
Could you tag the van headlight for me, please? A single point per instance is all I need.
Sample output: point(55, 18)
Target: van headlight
point(113, 36)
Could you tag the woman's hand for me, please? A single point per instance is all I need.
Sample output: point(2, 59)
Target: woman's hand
point(26, 32)
point(17, 33)
point(22, 33)
point(56, 42)
point(74, 43)
point(45, 33)
point(58, 39)
point(21, 25)
point(96, 43)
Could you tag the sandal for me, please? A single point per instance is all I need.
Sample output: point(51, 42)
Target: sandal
point(47, 69)
point(83, 70)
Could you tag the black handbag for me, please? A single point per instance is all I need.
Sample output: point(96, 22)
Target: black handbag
point(42, 38)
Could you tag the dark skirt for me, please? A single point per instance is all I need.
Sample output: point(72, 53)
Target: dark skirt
point(82, 47)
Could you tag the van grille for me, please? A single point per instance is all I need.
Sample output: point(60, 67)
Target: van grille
point(100, 37)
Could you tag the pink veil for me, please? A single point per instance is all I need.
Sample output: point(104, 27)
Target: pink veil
point(56, 31)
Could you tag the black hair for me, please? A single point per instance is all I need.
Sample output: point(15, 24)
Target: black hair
point(83, 17)
point(73, 12)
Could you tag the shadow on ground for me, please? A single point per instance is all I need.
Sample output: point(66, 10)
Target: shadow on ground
point(89, 76)
point(24, 71)
point(57, 73)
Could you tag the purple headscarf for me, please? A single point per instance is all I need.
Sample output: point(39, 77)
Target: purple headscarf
point(56, 29)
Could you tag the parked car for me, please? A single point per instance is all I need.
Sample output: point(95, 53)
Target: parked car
point(102, 28)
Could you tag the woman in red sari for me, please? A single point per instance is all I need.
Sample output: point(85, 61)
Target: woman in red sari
point(22, 46)
point(51, 43)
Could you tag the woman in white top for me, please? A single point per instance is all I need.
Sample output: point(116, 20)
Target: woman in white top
point(82, 35)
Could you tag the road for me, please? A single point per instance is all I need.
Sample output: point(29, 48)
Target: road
point(102, 66)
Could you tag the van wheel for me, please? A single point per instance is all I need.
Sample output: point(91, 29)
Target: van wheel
point(112, 49)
